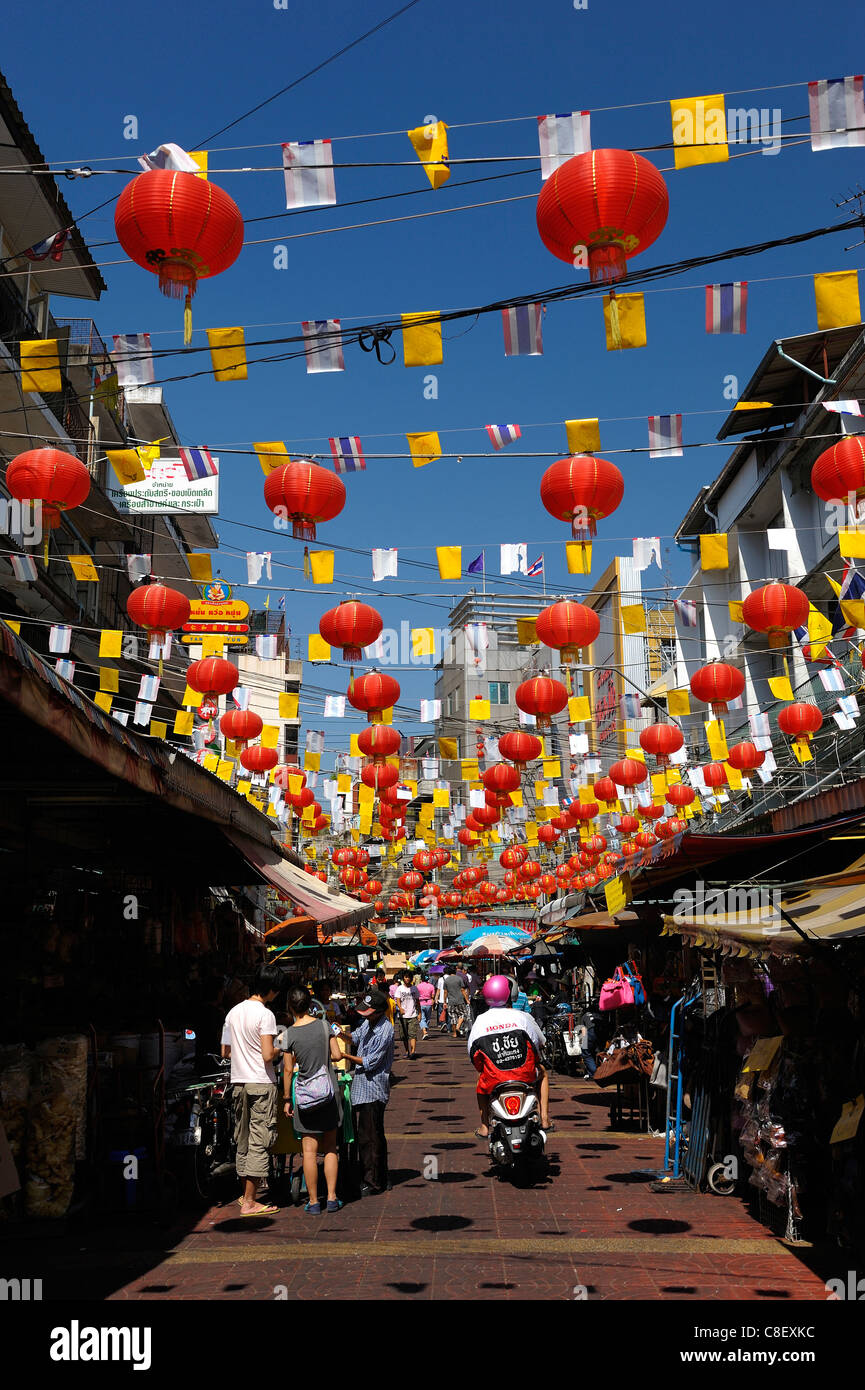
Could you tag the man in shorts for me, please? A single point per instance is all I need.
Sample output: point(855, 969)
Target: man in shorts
point(456, 998)
point(408, 1003)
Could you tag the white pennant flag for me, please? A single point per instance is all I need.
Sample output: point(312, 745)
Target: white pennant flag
point(560, 137)
point(384, 563)
point(143, 711)
point(844, 721)
point(133, 358)
point(334, 706)
point(148, 688)
point(477, 799)
point(527, 719)
point(137, 567)
point(831, 679)
point(256, 561)
point(265, 646)
point(59, 639)
point(430, 710)
point(168, 156)
point(24, 567)
point(514, 559)
point(121, 715)
point(315, 740)
point(491, 751)
point(65, 668)
point(843, 407)
point(848, 704)
point(647, 549)
point(308, 166)
point(430, 768)
point(240, 695)
point(160, 647)
point(760, 730)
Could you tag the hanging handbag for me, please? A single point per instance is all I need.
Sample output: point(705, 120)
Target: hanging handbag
point(633, 975)
point(626, 1062)
point(616, 993)
point(318, 1088)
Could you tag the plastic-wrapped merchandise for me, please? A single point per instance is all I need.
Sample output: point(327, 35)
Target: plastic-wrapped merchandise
point(56, 1125)
point(17, 1064)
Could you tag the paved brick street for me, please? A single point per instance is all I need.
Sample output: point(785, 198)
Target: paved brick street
point(591, 1222)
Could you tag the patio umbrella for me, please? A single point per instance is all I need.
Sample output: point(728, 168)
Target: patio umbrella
point(496, 928)
point(491, 944)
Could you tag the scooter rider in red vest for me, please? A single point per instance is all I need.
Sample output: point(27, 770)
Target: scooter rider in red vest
point(504, 1045)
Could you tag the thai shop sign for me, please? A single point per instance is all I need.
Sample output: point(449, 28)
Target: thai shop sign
point(168, 490)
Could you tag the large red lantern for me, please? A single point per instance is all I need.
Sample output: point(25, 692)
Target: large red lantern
point(344, 855)
point(568, 627)
point(839, 472)
point(513, 856)
point(158, 609)
point(596, 844)
point(379, 741)
point(645, 839)
point(715, 775)
point(677, 795)
point(628, 825)
point(299, 801)
point(653, 812)
point(745, 757)
point(304, 494)
point(212, 677)
point(629, 772)
point(373, 692)
point(583, 490)
point(776, 609)
point(587, 810)
point(661, 740)
point(547, 834)
point(717, 683)
point(258, 759)
point(499, 781)
point(440, 858)
point(541, 697)
point(287, 770)
point(351, 626)
point(799, 719)
point(240, 725)
point(180, 227)
point(605, 205)
point(520, 747)
point(379, 776)
point(57, 480)
point(486, 815)
point(606, 790)
point(410, 881)
point(466, 838)
point(423, 862)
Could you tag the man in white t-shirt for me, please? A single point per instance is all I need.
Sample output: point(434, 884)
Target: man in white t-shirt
point(250, 1031)
point(408, 1003)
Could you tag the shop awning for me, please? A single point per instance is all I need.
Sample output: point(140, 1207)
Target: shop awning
point(308, 895)
point(766, 921)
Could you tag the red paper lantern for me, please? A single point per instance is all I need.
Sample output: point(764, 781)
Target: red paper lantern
point(287, 770)
point(628, 825)
point(745, 756)
point(582, 489)
point(645, 839)
point(345, 855)
point(676, 826)
point(839, 472)
point(486, 815)
point(410, 881)
point(489, 892)
point(532, 890)
point(373, 692)
point(606, 790)
point(452, 899)
point(351, 877)
point(652, 812)
point(379, 741)
point(678, 795)
point(541, 697)
point(661, 740)
point(501, 779)
point(531, 869)
point(605, 205)
point(304, 494)
point(422, 861)
point(300, 800)
point(568, 627)
point(379, 776)
point(258, 759)
point(715, 775)
point(547, 882)
point(472, 823)
point(513, 856)
point(240, 725)
point(547, 834)
point(213, 676)
point(351, 626)
point(590, 880)
point(519, 747)
point(596, 844)
point(469, 877)
point(799, 719)
point(373, 886)
point(717, 683)
point(776, 609)
point(564, 873)
point(180, 227)
point(630, 772)
point(587, 810)
point(158, 609)
point(59, 481)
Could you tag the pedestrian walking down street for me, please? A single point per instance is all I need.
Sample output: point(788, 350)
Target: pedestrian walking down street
point(441, 1004)
point(372, 1045)
point(457, 998)
point(315, 1106)
point(426, 995)
point(250, 1038)
point(408, 1003)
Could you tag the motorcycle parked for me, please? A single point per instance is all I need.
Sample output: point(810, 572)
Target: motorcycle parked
point(200, 1133)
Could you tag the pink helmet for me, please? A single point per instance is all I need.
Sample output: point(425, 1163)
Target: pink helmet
point(497, 991)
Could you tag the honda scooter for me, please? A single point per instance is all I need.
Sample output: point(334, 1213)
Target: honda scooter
point(516, 1138)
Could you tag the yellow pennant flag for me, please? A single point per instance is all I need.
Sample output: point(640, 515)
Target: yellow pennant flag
point(802, 750)
point(270, 736)
point(431, 147)
point(584, 436)
point(317, 649)
point(479, 708)
point(780, 687)
point(158, 729)
point(148, 452)
point(448, 749)
point(424, 448)
point(753, 405)
point(200, 158)
point(552, 767)
point(109, 679)
point(183, 721)
point(321, 566)
point(110, 642)
point(617, 892)
point(200, 567)
point(717, 740)
point(354, 746)
point(271, 455)
point(191, 697)
point(734, 777)
point(633, 618)
point(103, 700)
point(40, 365)
point(678, 703)
point(714, 553)
point(84, 569)
point(228, 353)
point(421, 339)
point(699, 130)
point(211, 645)
point(210, 762)
point(735, 610)
point(579, 557)
point(224, 769)
point(441, 798)
point(127, 466)
point(311, 761)
point(343, 783)
point(288, 705)
point(295, 783)
point(423, 641)
point(527, 633)
point(837, 298)
point(387, 716)
point(853, 611)
point(469, 771)
point(624, 321)
point(852, 545)
point(579, 709)
point(450, 561)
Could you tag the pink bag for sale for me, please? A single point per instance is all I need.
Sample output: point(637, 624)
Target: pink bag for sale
point(616, 993)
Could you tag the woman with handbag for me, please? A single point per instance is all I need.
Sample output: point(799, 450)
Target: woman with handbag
point(312, 1096)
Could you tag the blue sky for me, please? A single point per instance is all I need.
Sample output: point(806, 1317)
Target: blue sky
point(183, 77)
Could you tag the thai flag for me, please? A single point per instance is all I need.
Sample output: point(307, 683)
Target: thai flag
point(308, 166)
point(198, 463)
point(836, 107)
point(630, 706)
point(687, 611)
point(727, 307)
point(562, 136)
point(501, 435)
point(665, 436)
point(52, 246)
point(323, 345)
point(853, 588)
point(522, 325)
point(133, 357)
point(536, 569)
point(347, 454)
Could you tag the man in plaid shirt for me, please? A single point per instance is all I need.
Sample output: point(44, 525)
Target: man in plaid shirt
point(372, 1044)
